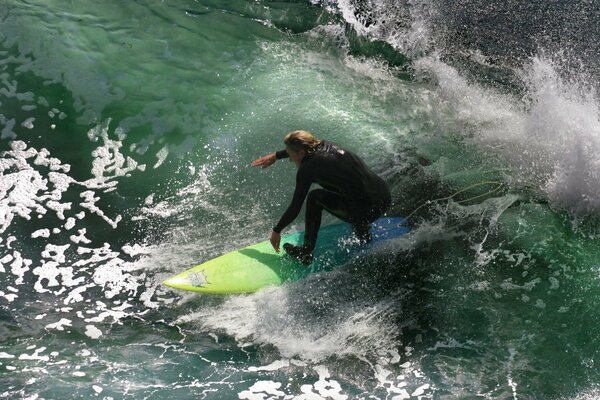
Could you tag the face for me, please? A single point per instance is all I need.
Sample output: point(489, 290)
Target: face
point(296, 156)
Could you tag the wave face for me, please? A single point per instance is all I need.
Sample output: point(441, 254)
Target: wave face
point(126, 134)
point(522, 77)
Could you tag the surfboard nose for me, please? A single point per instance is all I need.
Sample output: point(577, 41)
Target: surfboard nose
point(180, 281)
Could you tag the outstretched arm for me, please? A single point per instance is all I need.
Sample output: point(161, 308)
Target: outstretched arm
point(269, 159)
point(265, 161)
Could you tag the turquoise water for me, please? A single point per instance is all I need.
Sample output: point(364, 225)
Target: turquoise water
point(126, 134)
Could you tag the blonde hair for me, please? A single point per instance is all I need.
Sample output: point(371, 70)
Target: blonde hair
point(301, 140)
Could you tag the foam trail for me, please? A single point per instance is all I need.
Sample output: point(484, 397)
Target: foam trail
point(278, 316)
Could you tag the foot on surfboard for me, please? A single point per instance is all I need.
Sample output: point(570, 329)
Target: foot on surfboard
point(299, 253)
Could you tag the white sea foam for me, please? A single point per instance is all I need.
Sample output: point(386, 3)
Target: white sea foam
point(90, 203)
point(112, 315)
point(76, 295)
point(35, 182)
point(28, 123)
point(5, 260)
point(45, 233)
point(36, 356)
point(135, 250)
point(60, 325)
point(10, 297)
point(109, 163)
point(161, 156)
point(260, 389)
point(323, 388)
point(274, 366)
point(80, 238)
point(327, 387)
point(93, 332)
point(19, 267)
point(592, 393)
point(19, 189)
point(7, 131)
point(70, 224)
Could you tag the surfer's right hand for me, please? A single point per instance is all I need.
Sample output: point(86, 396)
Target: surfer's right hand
point(265, 161)
point(275, 241)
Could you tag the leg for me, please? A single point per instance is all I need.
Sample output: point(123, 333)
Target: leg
point(316, 202)
point(362, 218)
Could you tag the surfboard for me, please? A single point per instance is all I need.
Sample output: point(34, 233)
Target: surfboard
point(255, 267)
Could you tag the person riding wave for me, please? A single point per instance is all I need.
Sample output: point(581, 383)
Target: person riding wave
point(349, 190)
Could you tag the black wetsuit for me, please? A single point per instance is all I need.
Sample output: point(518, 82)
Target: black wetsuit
point(351, 191)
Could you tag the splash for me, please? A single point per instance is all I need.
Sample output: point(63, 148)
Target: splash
point(315, 323)
point(274, 316)
point(550, 134)
point(551, 140)
point(406, 25)
point(564, 123)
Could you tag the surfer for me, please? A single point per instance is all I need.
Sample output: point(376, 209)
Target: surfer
point(349, 190)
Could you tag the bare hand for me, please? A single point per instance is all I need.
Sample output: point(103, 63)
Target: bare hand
point(265, 161)
point(275, 241)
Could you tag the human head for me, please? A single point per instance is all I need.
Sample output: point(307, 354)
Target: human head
point(301, 140)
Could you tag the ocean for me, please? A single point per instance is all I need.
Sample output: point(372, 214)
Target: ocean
point(127, 129)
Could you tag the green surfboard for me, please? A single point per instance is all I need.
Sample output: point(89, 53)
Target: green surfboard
point(258, 266)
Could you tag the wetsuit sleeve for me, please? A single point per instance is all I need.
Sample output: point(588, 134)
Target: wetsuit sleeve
point(281, 154)
point(303, 182)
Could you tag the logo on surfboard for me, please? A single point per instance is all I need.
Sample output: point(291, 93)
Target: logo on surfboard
point(198, 279)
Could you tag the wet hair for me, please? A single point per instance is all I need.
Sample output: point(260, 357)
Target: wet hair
point(301, 140)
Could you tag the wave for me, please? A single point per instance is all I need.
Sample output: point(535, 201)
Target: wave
point(543, 121)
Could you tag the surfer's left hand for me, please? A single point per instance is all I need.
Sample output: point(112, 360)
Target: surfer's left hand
point(275, 240)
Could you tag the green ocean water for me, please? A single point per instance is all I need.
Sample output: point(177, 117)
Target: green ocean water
point(126, 133)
